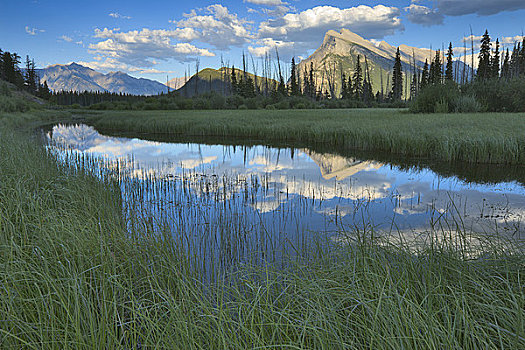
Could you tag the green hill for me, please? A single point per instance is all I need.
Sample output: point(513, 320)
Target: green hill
point(218, 80)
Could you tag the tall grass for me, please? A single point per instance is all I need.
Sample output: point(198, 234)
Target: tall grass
point(473, 138)
point(72, 277)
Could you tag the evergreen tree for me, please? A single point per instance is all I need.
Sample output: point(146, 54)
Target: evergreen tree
point(357, 88)
point(313, 87)
point(397, 78)
point(234, 84)
point(514, 61)
point(294, 86)
point(449, 74)
point(522, 59)
point(484, 66)
point(368, 95)
point(413, 87)
point(344, 88)
point(436, 72)
point(424, 76)
point(505, 69)
point(495, 62)
point(30, 82)
point(349, 85)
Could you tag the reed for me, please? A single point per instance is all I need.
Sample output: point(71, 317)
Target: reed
point(473, 138)
point(76, 273)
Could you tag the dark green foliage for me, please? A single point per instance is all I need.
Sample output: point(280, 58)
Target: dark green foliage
point(424, 76)
point(449, 73)
point(495, 62)
point(498, 95)
point(294, 85)
point(436, 98)
point(436, 70)
point(357, 89)
point(484, 67)
point(397, 78)
point(505, 69)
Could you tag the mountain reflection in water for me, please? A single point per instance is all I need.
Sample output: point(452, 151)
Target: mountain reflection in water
point(320, 191)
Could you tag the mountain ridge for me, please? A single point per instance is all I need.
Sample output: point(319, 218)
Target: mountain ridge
point(79, 78)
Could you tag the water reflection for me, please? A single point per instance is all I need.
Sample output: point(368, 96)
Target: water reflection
point(290, 192)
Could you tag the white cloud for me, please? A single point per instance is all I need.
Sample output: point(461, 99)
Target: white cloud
point(423, 15)
point(66, 38)
point(372, 22)
point(268, 45)
point(141, 48)
point(276, 8)
point(33, 31)
point(299, 32)
point(118, 15)
point(217, 27)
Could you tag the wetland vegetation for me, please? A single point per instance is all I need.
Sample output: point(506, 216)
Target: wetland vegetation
point(79, 270)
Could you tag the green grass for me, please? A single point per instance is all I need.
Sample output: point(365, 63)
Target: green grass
point(473, 138)
point(72, 278)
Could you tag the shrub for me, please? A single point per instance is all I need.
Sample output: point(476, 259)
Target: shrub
point(436, 97)
point(467, 104)
point(499, 95)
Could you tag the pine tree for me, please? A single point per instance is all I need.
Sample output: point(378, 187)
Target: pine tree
point(313, 87)
point(495, 62)
point(449, 74)
point(397, 78)
point(514, 61)
point(436, 73)
point(357, 88)
point(344, 89)
point(30, 79)
point(522, 59)
point(424, 76)
point(233, 82)
point(294, 86)
point(505, 69)
point(484, 67)
point(413, 87)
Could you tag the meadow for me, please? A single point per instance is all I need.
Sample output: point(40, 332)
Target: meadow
point(472, 138)
point(75, 275)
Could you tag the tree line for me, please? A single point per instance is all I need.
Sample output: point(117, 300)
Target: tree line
point(498, 84)
point(25, 79)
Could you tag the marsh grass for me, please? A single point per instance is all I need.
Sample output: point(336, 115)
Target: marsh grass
point(472, 138)
point(72, 276)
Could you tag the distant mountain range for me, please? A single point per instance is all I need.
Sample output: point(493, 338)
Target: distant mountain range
point(79, 78)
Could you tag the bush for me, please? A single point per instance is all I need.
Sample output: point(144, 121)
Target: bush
point(243, 107)
point(499, 95)
point(467, 104)
point(270, 107)
point(436, 98)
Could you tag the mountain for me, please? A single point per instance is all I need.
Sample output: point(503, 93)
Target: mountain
point(218, 80)
point(79, 78)
point(334, 166)
point(177, 83)
point(338, 54)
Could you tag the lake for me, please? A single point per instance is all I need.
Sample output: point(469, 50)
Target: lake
point(228, 203)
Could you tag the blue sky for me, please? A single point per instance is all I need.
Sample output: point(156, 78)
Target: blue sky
point(158, 38)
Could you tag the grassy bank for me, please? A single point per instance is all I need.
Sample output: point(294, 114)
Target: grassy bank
point(474, 138)
point(71, 277)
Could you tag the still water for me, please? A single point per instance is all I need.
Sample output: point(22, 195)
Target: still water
point(287, 195)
